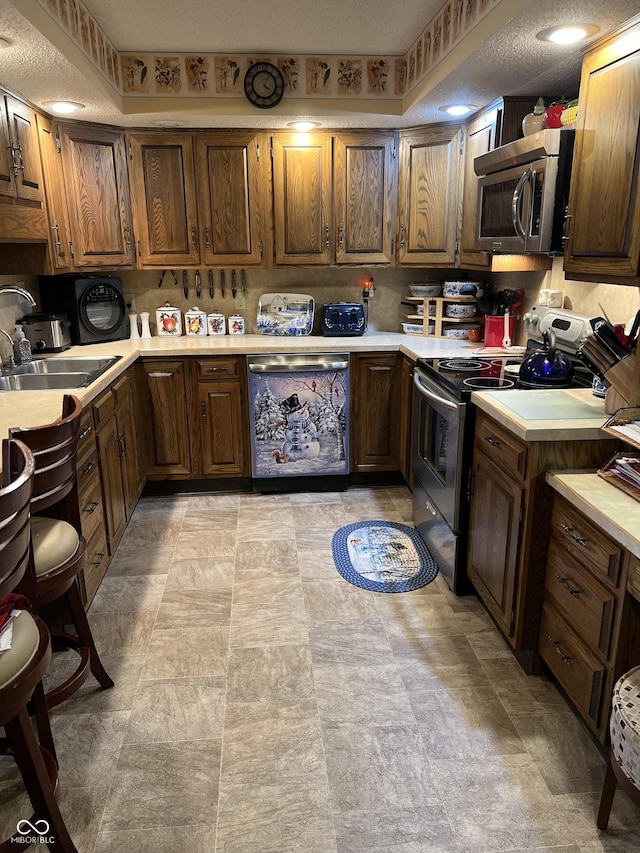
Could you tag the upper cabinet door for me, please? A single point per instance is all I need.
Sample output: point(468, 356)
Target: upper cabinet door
point(429, 184)
point(365, 192)
point(604, 199)
point(59, 256)
point(480, 139)
point(302, 199)
point(95, 176)
point(234, 197)
point(20, 169)
point(164, 199)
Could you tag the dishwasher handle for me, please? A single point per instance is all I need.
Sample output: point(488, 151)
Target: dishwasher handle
point(296, 366)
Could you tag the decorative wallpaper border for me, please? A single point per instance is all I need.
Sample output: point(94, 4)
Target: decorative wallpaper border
point(217, 75)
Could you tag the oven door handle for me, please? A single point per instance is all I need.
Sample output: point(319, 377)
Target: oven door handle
point(431, 395)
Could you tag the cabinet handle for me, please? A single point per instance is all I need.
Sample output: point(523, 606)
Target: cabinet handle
point(194, 240)
point(574, 592)
point(556, 645)
point(203, 410)
point(159, 374)
point(92, 507)
point(17, 150)
point(207, 239)
point(123, 438)
point(216, 370)
point(573, 535)
point(341, 236)
point(567, 217)
point(326, 236)
point(100, 557)
point(127, 235)
point(491, 441)
point(403, 232)
point(56, 238)
point(85, 432)
point(90, 467)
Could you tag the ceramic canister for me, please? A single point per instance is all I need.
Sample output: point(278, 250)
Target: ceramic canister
point(216, 324)
point(169, 321)
point(195, 321)
point(236, 324)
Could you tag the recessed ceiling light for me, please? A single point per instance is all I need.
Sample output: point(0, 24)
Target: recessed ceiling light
point(5, 42)
point(64, 106)
point(303, 125)
point(166, 122)
point(458, 109)
point(569, 34)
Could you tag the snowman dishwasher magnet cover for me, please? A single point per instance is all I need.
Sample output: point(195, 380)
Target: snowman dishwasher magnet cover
point(299, 416)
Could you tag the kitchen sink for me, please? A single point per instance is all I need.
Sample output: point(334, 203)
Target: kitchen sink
point(45, 374)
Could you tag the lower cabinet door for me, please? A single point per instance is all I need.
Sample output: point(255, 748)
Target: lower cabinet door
point(109, 448)
point(221, 429)
point(168, 452)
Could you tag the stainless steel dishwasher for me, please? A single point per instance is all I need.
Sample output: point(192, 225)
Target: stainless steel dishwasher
point(299, 420)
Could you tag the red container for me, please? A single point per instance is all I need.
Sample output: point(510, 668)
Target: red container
point(494, 330)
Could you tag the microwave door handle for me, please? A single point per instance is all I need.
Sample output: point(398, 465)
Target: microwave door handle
point(431, 396)
point(516, 205)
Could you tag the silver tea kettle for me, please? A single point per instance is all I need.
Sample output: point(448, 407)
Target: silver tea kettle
point(547, 367)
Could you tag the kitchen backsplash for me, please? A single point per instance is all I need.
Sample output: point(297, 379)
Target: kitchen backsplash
point(386, 311)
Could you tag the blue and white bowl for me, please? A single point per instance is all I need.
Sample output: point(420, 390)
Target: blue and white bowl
point(458, 288)
point(455, 309)
point(461, 331)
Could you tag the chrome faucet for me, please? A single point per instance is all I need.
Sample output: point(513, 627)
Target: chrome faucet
point(13, 288)
point(8, 363)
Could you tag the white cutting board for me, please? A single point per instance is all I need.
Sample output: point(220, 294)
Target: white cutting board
point(540, 405)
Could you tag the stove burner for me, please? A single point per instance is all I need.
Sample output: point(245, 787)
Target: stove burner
point(484, 383)
point(460, 364)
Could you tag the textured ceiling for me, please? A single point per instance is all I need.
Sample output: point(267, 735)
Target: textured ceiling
point(509, 61)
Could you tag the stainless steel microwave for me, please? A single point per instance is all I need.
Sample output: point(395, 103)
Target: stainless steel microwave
point(523, 191)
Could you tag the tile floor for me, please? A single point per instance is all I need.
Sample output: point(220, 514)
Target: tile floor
point(264, 705)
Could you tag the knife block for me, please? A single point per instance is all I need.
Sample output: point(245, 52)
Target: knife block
point(624, 378)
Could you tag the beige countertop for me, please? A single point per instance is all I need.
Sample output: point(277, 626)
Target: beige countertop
point(611, 509)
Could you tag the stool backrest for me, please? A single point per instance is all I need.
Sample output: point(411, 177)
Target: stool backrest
point(54, 447)
point(15, 503)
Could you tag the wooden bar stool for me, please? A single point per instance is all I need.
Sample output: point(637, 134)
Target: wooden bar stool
point(623, 765)
point(24, 664)
point(58, 547)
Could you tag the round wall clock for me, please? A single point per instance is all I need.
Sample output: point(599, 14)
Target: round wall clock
point(264, 85)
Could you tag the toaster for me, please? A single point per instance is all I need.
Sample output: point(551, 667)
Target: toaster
point(47, 332)
point(343, 318)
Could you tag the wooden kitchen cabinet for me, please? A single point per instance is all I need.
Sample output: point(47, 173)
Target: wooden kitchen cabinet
point(60, 260)
point(604, 199)
point(234, 198)
point(480, 137)
point(22, 213)
point(365, 194)
point(163, 197)
point(429, 182)
point(222, 418)
point(509, 525)
point(377, 401)
point(96, 184)
point(168, 443)
point(588, 633)
point(302, 198)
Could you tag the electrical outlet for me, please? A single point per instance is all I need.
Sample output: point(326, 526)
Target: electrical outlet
point(239, 301)
point(128, 300)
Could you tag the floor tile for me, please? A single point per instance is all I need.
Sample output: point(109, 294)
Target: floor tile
point(270, 672)
point(122, 633)
point(201, 573)
point(128, 561)
point(274, 553)
point(337, 601)
point(355, 642)
point(91, 698)
point(128, 594)
point(202, 608)
point(361, 694)
point(88, 746)
point(421, 830)
point(186, 652)
point(168, 839)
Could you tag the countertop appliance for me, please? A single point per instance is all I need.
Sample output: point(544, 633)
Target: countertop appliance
point(443, 432)
point(343, 319)
point(299, 421)
point(47, 332)
point(94, 304)
point(523, 191)
point(285, 314)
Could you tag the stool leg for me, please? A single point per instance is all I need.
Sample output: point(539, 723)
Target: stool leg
point(42, 721)
point(86, 637)
point(36, 779)
point(606, 799)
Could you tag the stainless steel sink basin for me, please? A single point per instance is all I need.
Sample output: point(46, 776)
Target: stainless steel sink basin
point(45, 374)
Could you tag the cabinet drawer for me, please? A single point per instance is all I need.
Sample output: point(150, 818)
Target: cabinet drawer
point(91, 509)
point(120, 390)
point(500, 446)
point(86, 434)
point(633, 583)
point(97, 562)
point(217, 368)
point(586, 605)
point(588, 545)
point(87, 469)
point(577, 670)
point(103, 408)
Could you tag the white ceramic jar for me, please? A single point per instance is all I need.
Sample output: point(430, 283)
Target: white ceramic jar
point(195, 322)
point(169, 321)
point(236, 324)
point(216, 324)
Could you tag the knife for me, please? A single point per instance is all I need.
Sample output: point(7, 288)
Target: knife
point(185, 284)
point(605, 334)
point(198, 285)
point(211, 284)
point(233, 283)
point(243, 278)
point(222, 283)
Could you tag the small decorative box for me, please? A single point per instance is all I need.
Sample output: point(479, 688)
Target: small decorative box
point(195, 322)
point(216, 324)
point(236, 324)
point(169, 321)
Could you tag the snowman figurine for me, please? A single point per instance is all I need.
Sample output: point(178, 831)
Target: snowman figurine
point(300, 433)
